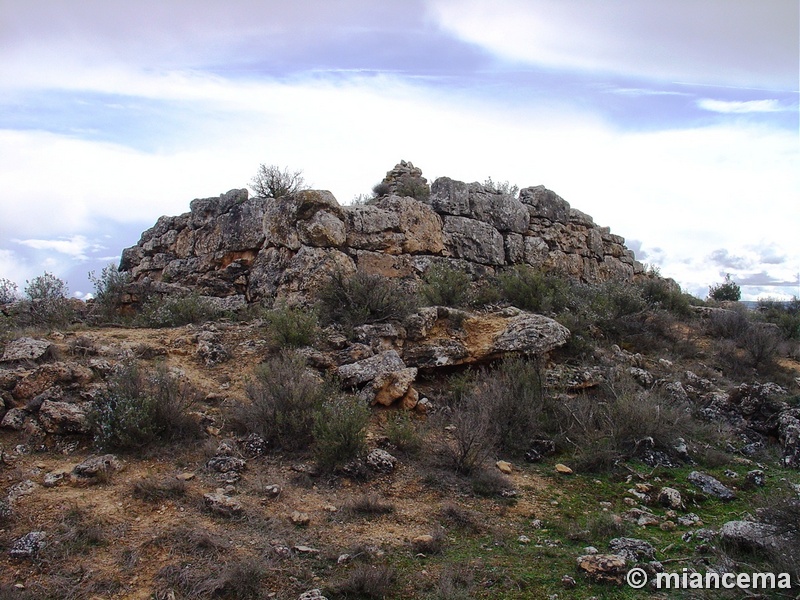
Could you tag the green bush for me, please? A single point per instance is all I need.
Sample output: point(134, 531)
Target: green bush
point(446, 286)
point(786, 315)
point(514, 396)
point(109, 288)
point(363, 298)
point(47, 301)
point(728, 290)
point(176, 310)
point(402, 434)
point(340, 431)
point(284, 401)
point(8, 291)
point(531, 289)
point(291, 327)
point(141, 408)
point(413, 187)
point(273, 182)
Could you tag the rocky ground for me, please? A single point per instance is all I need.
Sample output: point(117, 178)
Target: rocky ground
point(225, 515)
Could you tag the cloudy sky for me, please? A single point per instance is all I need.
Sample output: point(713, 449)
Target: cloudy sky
point(674, 122)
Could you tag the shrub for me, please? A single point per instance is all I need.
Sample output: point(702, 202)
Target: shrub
point(489, 482)
point(273, 182)
point(471, 438)
point(151, 489)
point(761, 343)
point(514, 396)
point(176, 310)
point(413, 187)
point(660, 293)
point(363, 298)
point(402, 434)
point(381, 189)
point(365, 581)
point(340, 431)
point(47, 300)
point(786, 315)
point(241, 579)
point(500, 187)
point(284, 400)
point(530, 289)
point(8, 291)
point(109, 288)
point(446, 286)
point(368, 505)
point(728, 290)
point(291, 327)
point(140, 409)
point(729, 324)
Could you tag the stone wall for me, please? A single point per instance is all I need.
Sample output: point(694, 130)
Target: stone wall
point(286, 247)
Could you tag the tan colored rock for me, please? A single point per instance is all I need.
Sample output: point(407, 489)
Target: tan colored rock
point(300, 519)
point(504, 467)
point(388, 387)
point(49, 375)
point(563, 469)
point(603, 568)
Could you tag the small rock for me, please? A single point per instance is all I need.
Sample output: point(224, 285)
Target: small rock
point(632, 549)
point(53, 479)
point(185, 476)
point(314, 594)
point(226, 464)
point(603, 568)
point(305, 550)
point(28, 545)
point(711, 486)
point(381, 461)
point(524, 539)
point(26, 348)
point(504, 467)
point(226, 447)
point(568, 582)
point(563, 469)
point(222, 504)
point(96, 469)
point(254, 445)
point(668, 526)
point(670, 498)
point(689, 520)
point(590, 550)
point(272, 490)
point(300, 519)
point(756, 477)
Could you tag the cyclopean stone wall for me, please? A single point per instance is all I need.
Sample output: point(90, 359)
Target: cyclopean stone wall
point(286, 247)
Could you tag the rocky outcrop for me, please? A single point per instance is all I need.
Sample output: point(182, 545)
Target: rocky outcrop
point(285, 248)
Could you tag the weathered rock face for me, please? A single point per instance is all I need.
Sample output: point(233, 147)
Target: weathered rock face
point(286, 247)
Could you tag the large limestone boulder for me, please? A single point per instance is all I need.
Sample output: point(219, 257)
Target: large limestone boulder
point(309, 217)
point(474, 241)
point(395, 226)
point(441, 336)
point(26, 348)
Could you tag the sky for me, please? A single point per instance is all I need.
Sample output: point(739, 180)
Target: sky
point(673, 122)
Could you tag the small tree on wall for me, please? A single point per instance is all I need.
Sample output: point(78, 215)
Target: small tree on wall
point(728, 290)
point(273, 182)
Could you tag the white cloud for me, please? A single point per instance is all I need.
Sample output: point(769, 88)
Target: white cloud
point(714, 41)
point(76, 247)
point(749, 106)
